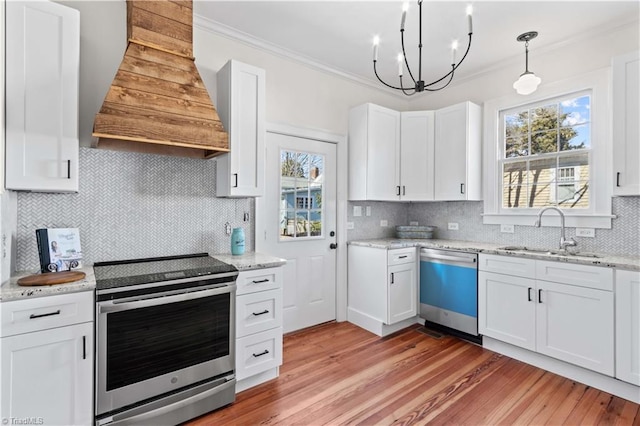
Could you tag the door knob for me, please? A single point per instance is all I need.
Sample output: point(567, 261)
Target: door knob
point(333, 246)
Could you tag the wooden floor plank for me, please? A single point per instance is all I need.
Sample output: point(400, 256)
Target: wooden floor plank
point(339, 374)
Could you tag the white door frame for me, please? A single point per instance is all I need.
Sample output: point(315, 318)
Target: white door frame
point(341, 203)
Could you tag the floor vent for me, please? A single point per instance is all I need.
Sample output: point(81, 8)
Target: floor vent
point(430, 332)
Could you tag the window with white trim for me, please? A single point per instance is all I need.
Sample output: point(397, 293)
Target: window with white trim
point(542, 146)
point(574, 173)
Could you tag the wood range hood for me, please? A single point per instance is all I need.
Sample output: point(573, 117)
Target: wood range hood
point(157, 102)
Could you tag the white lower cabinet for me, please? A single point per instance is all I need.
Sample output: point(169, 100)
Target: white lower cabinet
point(258, 326)
point(382, 288)
point(628, 326)
point(47, 372)
point(568, 321)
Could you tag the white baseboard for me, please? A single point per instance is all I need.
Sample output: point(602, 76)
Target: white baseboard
point(376, 326)
point(257, 379)
point(591, 378)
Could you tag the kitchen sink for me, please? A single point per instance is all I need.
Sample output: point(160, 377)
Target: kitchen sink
point(523, 249)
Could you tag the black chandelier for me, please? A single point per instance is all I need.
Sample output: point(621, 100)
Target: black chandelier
point(419, 85)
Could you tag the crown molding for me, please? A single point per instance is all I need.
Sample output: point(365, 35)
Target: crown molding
point(221, 29)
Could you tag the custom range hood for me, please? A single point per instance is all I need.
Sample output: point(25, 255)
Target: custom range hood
point(157, 101)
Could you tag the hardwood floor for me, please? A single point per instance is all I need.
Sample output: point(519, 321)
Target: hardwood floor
point(337, 373)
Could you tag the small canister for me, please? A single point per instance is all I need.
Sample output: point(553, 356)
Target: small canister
point(237, 241)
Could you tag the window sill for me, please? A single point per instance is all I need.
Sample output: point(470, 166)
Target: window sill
point(550, 219)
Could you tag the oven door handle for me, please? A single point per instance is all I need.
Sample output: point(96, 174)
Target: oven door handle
point(160, 299)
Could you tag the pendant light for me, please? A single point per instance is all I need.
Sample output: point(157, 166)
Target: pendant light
point(528, 81)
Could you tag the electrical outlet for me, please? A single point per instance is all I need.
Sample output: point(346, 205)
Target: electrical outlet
point(384, 222)
point(452, 226)
point(357, 210)
point(413, 223)
point(586, 232)
point(368, 210)
point(350, 225)
point(508, 229)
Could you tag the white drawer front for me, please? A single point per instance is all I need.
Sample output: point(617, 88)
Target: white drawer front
point(41, 313)
point(259, 280)
point(508, 265)
point(401, 256)
point(258, 352)
point(257, 312)
point(581, 275)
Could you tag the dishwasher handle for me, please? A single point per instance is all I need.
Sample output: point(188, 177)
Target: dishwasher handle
point(448, 256)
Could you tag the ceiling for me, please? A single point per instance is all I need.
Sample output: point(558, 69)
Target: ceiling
point(337, 35)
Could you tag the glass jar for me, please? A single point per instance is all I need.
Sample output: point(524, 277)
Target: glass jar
point(237, 241)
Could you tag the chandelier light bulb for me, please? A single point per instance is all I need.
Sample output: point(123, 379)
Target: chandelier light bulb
point(405, 7)
point(376, 42)
point(400, 59)
point(454, 48)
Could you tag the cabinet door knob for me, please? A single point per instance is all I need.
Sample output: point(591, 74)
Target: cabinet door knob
point(333, 246)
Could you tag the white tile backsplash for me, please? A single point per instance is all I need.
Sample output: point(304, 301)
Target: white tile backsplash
point(134, 205)
point(623, 238)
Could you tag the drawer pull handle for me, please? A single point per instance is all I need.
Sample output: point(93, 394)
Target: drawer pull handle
point(261, 353)
point(403, 257)
point(34, 316)
point(539, 295)
point(266, 280)
point(257, 314)
point(84, 347)
point(529, 293)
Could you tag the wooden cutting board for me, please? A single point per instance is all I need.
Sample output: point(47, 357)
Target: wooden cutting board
point(51, 278)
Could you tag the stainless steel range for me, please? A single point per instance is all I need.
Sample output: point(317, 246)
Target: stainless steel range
point(165, 339)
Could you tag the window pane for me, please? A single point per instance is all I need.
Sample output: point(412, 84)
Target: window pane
point(544, 142)
point(516, 124)
point(542, 175)
point(514, 196)
point(289, 165)
point(516, 147)
point(575, 111)
point(514, 173)
point(315, 219)
point(302, 224)
point(577, 137)
point(544, 118)
point(287, 223)
point(573, 196)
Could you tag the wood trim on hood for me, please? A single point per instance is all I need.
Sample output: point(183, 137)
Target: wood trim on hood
point(157, 101)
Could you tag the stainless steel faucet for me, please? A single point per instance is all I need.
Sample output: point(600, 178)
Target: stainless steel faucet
point(564, 243)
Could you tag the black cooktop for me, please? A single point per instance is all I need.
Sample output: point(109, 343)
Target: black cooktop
point(125, 273)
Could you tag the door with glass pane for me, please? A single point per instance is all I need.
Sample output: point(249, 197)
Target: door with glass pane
point(297, 221)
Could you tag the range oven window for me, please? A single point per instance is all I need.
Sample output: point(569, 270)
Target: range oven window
point(147, 342)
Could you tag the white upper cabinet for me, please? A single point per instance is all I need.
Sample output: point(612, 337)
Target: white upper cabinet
point(42, 76)
point(241, 107)
point(458, 152)
point(374, 153)
point(626, 126)
point(416, 155)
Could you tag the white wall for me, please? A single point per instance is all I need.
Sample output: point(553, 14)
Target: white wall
point(562, 62)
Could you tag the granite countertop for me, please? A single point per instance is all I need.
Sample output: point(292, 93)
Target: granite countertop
point(250, 261)
point(602, 259)
point(10, 290)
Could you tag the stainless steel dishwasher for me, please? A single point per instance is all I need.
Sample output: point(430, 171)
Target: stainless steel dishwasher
point(449, 292)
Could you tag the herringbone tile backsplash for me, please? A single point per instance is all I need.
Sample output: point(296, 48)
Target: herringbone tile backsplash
point(134, 205)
